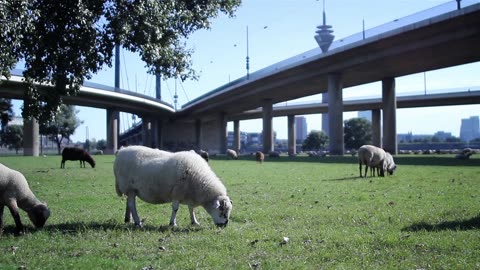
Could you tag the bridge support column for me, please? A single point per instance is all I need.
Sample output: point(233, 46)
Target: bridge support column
point(376, 128)
point(325, 115)
point(157, 139)
point(389, 101)
point(292, 136)
point(236, 136)
point(146, 132)
point(267, 126)
point(335, 114)
point(31, 138)
point(198, 133)
point(223, 133)
point(112, 131)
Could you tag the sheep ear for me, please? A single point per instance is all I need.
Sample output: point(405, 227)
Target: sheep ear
point(216, 204)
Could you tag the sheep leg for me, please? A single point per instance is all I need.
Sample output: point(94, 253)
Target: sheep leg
point(192, 216)
point(132, 206)
point(62, 165)
point(173, 218)
point(1, 216)
point(128, 213)
point(16, 217)
point(366, 170)
point(360, 168)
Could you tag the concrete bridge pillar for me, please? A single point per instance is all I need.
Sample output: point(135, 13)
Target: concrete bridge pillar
point(198, 133)
point(146, 132)
point(292, 136)
point(236, 135)
point(325, 115)
point(335, 114)
point(376, 128)
point(31, 138)
point(389, 101)
point(112, 131)
point(267, 126)
point(222, 133)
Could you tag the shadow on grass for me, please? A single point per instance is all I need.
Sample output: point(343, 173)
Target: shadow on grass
point(77, 227)
point(456, 225)
point(349, 178)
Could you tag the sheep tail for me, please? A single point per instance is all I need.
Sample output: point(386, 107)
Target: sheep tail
point(117, 188)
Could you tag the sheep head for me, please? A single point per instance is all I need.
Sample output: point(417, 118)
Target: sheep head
point(39, 214)
point(220, 210)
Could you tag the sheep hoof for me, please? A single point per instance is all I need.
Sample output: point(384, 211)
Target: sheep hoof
point(139, 225)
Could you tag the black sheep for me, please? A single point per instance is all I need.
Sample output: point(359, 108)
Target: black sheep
point(73, 153)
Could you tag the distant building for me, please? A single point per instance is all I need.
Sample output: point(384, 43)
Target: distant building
point(301, 127)
point(470, 129)
point(243, 138)
point(442, 135)
point(365, 114)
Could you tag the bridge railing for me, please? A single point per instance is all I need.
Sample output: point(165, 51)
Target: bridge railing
point(399, 94)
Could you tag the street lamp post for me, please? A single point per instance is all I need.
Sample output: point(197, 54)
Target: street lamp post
point(247, 59)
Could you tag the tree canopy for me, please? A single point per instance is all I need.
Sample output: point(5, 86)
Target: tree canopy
point(316, 140)
point(65, 42)
point(6, 112)
point(12, 137)
point(62, 126)
point(357, 132)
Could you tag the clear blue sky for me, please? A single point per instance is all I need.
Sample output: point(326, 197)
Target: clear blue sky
point(279, 29)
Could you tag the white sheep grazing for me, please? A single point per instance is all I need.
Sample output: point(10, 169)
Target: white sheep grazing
point(157, 177)
point(389, 164)
point(232, 154)
point(373, 157)
point(15, 193)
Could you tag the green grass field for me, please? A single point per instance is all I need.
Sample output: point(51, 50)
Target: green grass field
point(425, 216)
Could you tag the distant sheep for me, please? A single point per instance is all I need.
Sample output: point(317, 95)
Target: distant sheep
point(375, 157)
point(73, 153)
point(15, 193)
point(157, 177)
point(259, 156)
point(232, 154)
point(274, 154)
point(463, 156)
point(203, 154)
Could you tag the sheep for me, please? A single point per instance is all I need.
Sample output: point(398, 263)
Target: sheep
point(73, 153)
point(157, 177)
point(15, 193)
point(231, 154)
point(389, 164)
point(259, 156)
point(372, 157)
point(203, 154)
point(274, 154)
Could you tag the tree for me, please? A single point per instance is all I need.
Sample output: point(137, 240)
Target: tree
point(315, 140)
point(14, 19)
point(62, 126)
point(12, 137)
point(64, 42)
point(101, 145)
point(6, 111)
point(357, 132)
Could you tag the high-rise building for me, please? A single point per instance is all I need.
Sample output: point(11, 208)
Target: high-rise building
point(470, 129)
point(301, 127)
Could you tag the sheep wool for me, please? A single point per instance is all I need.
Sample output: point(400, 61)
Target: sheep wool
point(373, 157)
point(15, 193)
point(157, 177)
point(232, 154)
